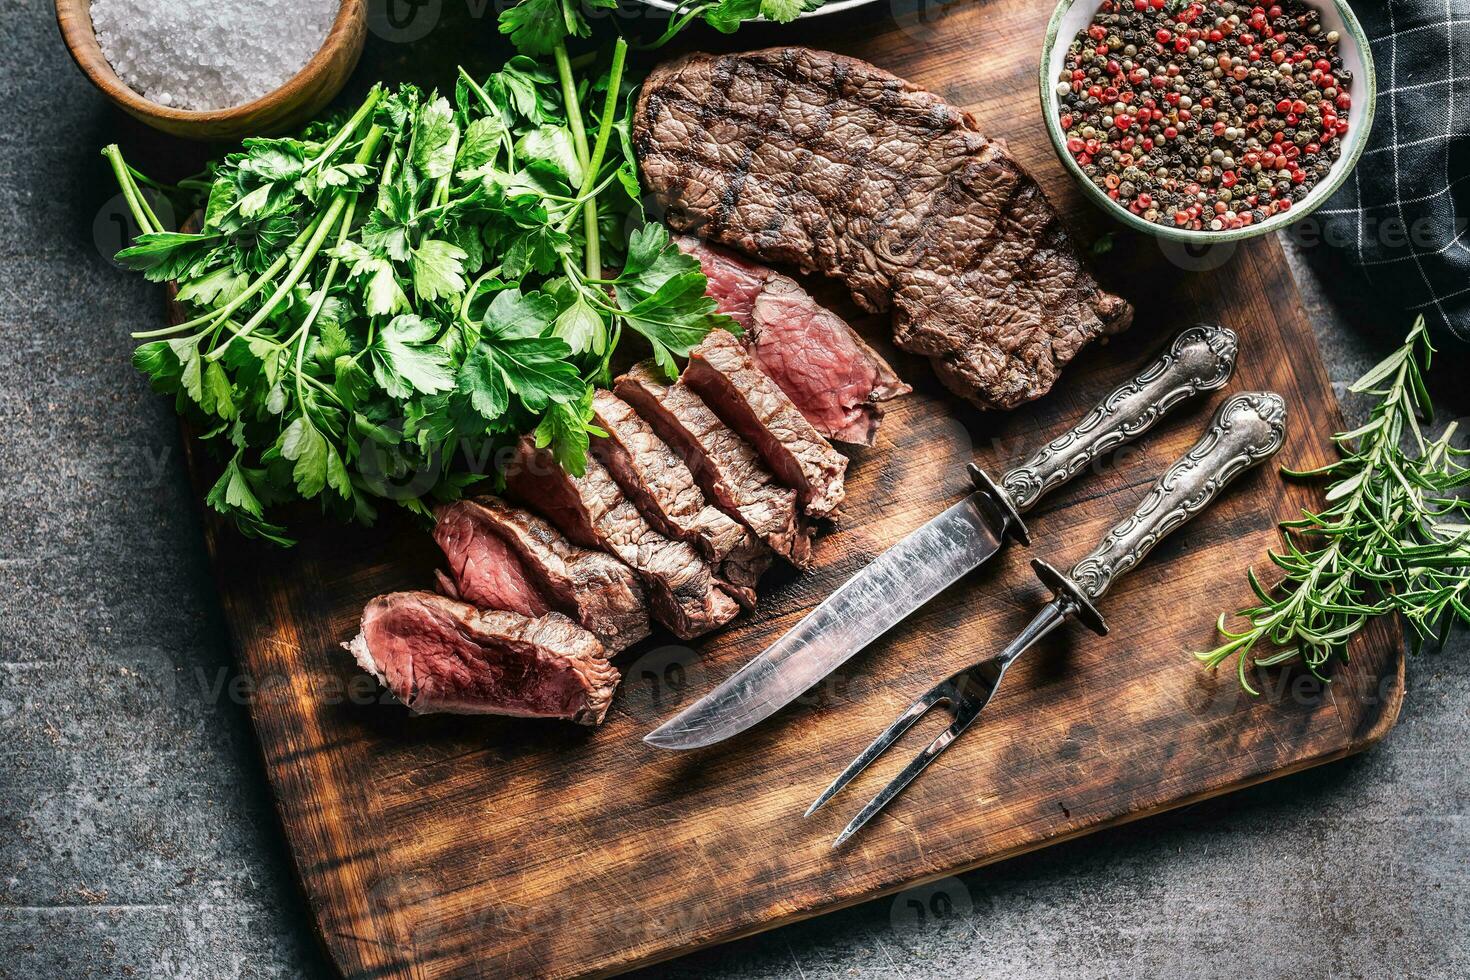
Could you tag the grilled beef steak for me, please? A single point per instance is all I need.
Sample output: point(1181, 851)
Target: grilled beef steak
point(436, 654)
point(592, 511)
point(593, 588)
point(833, 165)
point(723, 374)
point(654, 477)
point(724, 465)
point(827, 370)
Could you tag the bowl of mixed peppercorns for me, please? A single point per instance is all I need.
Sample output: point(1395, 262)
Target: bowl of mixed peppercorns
point(1207, 120)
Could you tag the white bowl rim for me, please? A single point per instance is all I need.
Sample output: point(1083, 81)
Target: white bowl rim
point(1340, 170)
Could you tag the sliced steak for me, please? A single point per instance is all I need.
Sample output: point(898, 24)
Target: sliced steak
point(483, 569)
point(439, 655)
point(826, 369)
point(591, 587)
point(659, 483)
point(834, 165)
point(722, 372)
point(725, 466)
point(592, 511)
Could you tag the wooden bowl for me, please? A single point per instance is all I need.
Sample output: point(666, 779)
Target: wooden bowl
point(303, 95)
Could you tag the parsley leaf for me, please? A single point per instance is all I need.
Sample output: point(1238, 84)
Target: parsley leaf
point(406, 359)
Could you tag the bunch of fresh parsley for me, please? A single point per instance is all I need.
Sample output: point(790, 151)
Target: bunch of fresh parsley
point(377, 307)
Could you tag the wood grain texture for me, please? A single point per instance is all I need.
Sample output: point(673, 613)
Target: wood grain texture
point(437, 847)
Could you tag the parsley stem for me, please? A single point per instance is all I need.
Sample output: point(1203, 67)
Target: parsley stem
point(142, 213)
point(678, 20)
point(319, 228)
point(335, 143)
point(592, 248)
point(594, 162)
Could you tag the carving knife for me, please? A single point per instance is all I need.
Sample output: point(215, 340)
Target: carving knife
point(929, 559)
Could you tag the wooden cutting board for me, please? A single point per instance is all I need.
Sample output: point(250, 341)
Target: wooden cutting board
point(438, 846)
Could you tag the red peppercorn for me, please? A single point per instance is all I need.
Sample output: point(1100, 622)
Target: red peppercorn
point(1097, 32)
point(1145, 199)
point(1075, 146)
point(1343, 101)
point(1229, 178)
point(1215, 36)
point(1140, 5)
point(1066, 120)
point(1170, 132)
point(1284, 106)
point(1284, 204)
point(1162, 35)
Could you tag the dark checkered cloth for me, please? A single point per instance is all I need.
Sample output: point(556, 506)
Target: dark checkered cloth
point(1401, 216)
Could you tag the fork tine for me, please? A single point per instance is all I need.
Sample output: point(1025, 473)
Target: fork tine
point(880, 744)
point(930, 753)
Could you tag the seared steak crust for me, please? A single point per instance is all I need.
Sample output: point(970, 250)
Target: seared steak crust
point(439, 655)
point(833, 165)
point(592, 510)
point(723, 374)
point(724, 465)
point(591, 587)
point(657, 480)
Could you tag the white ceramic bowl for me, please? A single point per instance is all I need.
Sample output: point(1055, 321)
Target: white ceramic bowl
point(1072, 16)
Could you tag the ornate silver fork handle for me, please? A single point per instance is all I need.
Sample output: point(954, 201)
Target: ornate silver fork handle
point(1247, 428)
point(1200, 359)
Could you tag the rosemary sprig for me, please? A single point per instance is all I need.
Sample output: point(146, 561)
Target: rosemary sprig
point(1392, 537)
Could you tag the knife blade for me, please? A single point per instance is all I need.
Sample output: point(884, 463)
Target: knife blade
point(922, 564)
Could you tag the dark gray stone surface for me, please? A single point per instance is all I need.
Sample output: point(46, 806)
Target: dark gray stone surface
point(137, 835)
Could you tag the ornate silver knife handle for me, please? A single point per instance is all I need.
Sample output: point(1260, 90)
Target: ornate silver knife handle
point(1247, 429)
point(1200, 359)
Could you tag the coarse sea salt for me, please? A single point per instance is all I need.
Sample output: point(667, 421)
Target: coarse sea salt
point(204, 54)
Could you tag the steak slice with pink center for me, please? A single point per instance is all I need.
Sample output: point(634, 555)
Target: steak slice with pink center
point(724, 465)
point(723, 374)
point(822, 364)
point(438, 655)
point(593, 511)
point(657, 480)
point(593, 588)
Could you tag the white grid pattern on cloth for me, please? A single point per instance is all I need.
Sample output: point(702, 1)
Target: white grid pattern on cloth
point(1416, 164)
